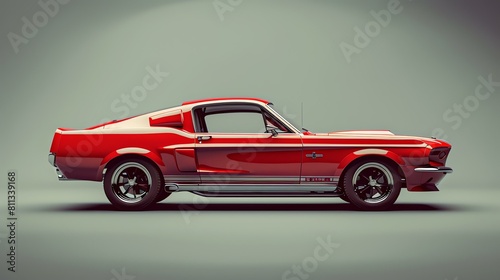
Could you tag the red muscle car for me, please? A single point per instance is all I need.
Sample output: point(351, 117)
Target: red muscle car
point(243, 147)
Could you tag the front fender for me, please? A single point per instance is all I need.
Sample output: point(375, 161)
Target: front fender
point(367, 152)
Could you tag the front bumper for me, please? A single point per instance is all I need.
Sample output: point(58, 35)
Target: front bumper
point(52, 161)
point(426, 178)
point(440, 169)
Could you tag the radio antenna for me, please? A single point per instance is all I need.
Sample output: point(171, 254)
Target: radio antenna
point(302, 114)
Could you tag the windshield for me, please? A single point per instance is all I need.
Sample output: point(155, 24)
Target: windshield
point(290, 118)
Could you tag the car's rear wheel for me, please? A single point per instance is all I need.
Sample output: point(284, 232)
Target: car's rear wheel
point(372, 185)
point(132, 184)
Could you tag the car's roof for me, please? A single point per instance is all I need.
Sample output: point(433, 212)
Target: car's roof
point(224, 99)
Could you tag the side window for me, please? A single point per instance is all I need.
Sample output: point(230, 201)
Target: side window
point(235, 122)
point(235, 118)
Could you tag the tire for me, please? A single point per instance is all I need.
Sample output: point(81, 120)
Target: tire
point(372, 185)
point(343, 196)
point(132, 184)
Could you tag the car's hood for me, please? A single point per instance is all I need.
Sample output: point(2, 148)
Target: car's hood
point(382, 135)
point(361, 132)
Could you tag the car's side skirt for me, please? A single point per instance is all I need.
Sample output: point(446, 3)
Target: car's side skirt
point(268, 194)
point(255, 190)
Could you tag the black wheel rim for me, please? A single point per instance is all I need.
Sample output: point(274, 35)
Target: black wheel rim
point(131, 182)
point(373, 182)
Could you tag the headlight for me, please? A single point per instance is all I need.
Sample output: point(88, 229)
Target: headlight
point(439, 155)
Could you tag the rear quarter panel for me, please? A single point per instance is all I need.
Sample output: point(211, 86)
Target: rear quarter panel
point(83, 155)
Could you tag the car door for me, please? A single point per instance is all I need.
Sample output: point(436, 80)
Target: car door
point(234, 147)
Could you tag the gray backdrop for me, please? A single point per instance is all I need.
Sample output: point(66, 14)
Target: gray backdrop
point(414, 67)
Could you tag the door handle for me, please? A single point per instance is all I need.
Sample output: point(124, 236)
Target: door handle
point(203, 138)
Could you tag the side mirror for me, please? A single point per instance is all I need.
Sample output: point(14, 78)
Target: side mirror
point(272, 129)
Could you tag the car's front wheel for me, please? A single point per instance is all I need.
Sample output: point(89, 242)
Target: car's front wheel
point(132, 184)
point(372, 185)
